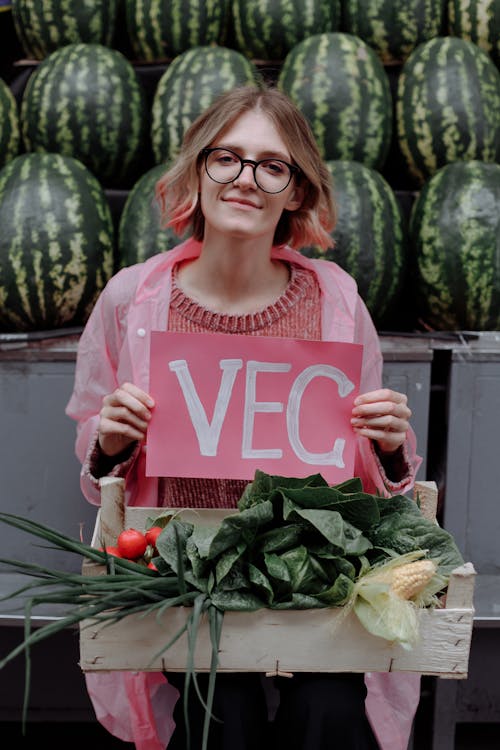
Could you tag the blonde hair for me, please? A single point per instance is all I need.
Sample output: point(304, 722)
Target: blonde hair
point(177, 190)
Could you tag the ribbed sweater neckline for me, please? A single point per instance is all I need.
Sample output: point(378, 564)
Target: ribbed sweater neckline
point(298, 286)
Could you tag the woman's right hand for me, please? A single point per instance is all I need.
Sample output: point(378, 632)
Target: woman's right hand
point(124, 418)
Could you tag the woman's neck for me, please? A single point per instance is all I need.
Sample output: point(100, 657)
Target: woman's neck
point(238, 279)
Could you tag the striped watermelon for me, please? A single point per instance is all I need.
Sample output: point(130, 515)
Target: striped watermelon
point(139, 233)
point(477, 21)
point(43, 26)
point(189, 85)
point(56, 243)
point(9, 125)
point(370, 238)
point(340, 85)
point(393, 28)
point(86, 101)
point(455, 233)
point(268, 31)
point(158, 30)
point(447, 106)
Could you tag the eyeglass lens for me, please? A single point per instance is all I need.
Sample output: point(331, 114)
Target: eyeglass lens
point(271, 175)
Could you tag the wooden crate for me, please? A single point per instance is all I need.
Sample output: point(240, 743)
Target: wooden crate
point(270, 641)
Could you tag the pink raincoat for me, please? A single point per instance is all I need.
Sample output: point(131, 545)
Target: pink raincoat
point(114, 348)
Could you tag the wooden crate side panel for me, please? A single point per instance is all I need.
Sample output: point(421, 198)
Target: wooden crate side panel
point(266, 641)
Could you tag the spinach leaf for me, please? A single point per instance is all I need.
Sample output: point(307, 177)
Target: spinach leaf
point(199, 566)
point(237, 601)
point(278, 574)
point(359, 508)
point(338, 593)
point(227, 560)
point(261, 583)
point(302, 574)
point(299, 601)
point(264, 485)
point(349, 485)
point(407, 531)
point(343, 536)
point(172, 540)
point(278, 538)
point(243, 525)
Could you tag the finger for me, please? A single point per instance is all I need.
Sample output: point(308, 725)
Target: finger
point(387, 440)
point(123, 415)
point(385, 423)
point(138, 393)
point(381, 435)
point(382, 409)
point(123, 430)
point(132, 398)
point(130, 394)
point(382, 394)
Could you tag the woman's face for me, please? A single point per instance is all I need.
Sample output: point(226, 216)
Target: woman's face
point(241, 209)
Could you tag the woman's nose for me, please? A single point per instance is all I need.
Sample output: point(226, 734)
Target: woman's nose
point(247, 176)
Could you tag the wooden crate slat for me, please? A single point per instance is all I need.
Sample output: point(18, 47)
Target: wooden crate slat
point(266, 640)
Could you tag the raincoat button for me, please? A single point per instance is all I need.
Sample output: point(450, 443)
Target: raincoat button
point(141, 332)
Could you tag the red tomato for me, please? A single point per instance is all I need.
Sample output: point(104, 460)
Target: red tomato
point(152, 535)
point(152, 566)
point(132, 544)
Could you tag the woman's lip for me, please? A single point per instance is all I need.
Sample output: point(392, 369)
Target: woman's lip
point(241, 202)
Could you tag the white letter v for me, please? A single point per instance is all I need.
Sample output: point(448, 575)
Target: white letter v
point(208, 434)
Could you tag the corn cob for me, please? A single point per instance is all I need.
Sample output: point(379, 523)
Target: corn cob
point(410, 579)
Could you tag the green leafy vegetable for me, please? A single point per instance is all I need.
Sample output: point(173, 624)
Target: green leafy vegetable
point(406, 529)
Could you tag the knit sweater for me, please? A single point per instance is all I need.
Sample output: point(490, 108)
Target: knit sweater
point(295, 314)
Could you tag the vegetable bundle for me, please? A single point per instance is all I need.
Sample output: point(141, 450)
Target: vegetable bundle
point(292, 544)
point(302, 544)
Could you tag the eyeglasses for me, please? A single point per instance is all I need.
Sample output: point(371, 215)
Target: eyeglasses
point(271, 175)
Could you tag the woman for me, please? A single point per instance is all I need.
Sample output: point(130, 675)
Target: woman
point(253, 189)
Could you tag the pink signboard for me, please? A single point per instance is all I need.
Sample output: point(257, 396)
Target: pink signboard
point(226, 405)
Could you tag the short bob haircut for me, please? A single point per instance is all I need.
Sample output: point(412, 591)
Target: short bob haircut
point(177, 190)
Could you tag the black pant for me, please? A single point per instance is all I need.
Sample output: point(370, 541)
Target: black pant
point(316, 712)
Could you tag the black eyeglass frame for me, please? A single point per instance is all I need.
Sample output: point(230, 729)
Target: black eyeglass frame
point(205, 152)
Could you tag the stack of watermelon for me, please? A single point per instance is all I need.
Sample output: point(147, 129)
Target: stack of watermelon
point(348, 99)
point(269, 31)
point(455, 231)
point(43, 26)
point(159, 31)
point(9, 125)
point(448, 106)
point(141, 233)
point(56, 243)
point(189, 85)
point(448, 123)
point(370, 238)
point(395, 92)
point(477, 21)
point(85, 101)
point(394, 28)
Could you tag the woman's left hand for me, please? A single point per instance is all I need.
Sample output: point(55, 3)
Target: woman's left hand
point(382, 416)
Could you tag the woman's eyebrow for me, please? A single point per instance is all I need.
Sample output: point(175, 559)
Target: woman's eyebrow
point(259, 155)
